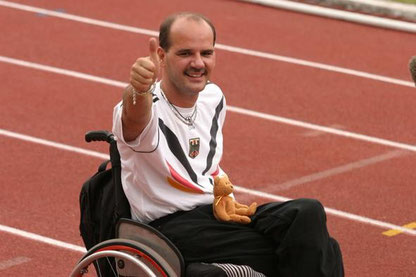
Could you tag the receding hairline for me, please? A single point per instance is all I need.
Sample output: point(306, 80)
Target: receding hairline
point(190, 16)
point(166, 26)
point(175, 28)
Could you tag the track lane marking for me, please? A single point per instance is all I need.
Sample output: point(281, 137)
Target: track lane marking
point(53, 144)
point(342, 214)
point(42, 239)
point(335, 171)
point(324, 129)
point(62, 71)
point(238, 110)
point(5, 264)
point(223, 47)
point(394, 232)
point(334, 13)
point(314, 133)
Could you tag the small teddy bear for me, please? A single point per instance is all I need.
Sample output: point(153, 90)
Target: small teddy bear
point(225, 208)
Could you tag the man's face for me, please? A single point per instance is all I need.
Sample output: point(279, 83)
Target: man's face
point(188, 63)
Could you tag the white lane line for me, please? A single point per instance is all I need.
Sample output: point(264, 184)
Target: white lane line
point(53, 144)
point(232, 49)
point(62, 71)
point(327, 67)
point(238, 110)
point(334, 171)
point(5, 264)
point(314, 133)
point(339, 14)
point(77, 18)
point(324, 129)
point(345, 215)
point(42, 239)
point(342, 214)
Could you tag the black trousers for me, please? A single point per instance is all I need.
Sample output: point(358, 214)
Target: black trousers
point(283, 239)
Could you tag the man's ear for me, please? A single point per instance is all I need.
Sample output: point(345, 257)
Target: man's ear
point(162, 55)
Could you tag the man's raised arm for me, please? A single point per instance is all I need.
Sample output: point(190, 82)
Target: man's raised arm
point(137, 99)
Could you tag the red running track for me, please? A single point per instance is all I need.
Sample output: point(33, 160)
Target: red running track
point(41, 183)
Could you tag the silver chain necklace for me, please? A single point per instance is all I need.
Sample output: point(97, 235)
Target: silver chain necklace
point(188, 120)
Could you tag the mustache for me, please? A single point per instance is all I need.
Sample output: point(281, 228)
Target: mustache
point(196, 70)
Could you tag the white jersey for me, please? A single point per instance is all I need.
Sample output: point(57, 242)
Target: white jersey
point(171, 166)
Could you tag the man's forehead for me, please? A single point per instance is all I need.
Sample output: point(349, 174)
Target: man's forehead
point(188, 19)
point(190, 28)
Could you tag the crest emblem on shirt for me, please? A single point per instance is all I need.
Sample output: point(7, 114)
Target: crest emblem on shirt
point(193, 147)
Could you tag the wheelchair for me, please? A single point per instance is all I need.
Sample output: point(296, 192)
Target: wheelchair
point(123, 247)
point(138, 250)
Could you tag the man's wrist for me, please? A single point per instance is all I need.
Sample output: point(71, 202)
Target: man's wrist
point(136, 93)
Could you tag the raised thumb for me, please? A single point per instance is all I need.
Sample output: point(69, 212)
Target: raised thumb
point(153, 55)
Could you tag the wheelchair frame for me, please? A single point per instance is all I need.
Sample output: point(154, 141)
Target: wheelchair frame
point(137, 249)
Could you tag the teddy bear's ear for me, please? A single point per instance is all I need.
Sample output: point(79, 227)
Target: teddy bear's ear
point(217, 179)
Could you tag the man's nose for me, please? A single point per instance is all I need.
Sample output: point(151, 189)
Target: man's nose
point(197, 61)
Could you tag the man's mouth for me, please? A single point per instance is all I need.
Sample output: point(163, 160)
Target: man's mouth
point(194, 74)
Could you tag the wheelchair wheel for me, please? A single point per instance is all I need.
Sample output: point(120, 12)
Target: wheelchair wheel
point(119, 257)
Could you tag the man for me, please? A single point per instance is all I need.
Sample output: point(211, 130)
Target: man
point(170, 141)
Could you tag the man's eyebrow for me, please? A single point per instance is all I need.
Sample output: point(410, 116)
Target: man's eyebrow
point(183, 50)
point(191, 50)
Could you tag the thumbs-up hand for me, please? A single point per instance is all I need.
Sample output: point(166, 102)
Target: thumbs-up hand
point(154, 57)
point(145, 70)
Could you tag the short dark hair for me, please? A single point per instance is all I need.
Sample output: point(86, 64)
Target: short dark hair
point(164, 30)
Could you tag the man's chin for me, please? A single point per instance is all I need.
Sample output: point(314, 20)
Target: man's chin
point(196, 87)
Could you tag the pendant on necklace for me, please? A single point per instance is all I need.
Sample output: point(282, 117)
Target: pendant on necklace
point(194, 147)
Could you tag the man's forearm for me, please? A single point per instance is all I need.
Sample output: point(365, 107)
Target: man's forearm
point(136, 112)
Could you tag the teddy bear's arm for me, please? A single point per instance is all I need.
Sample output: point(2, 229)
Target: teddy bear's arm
point(238, 205)
point(246, 210)
point(221, 211)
